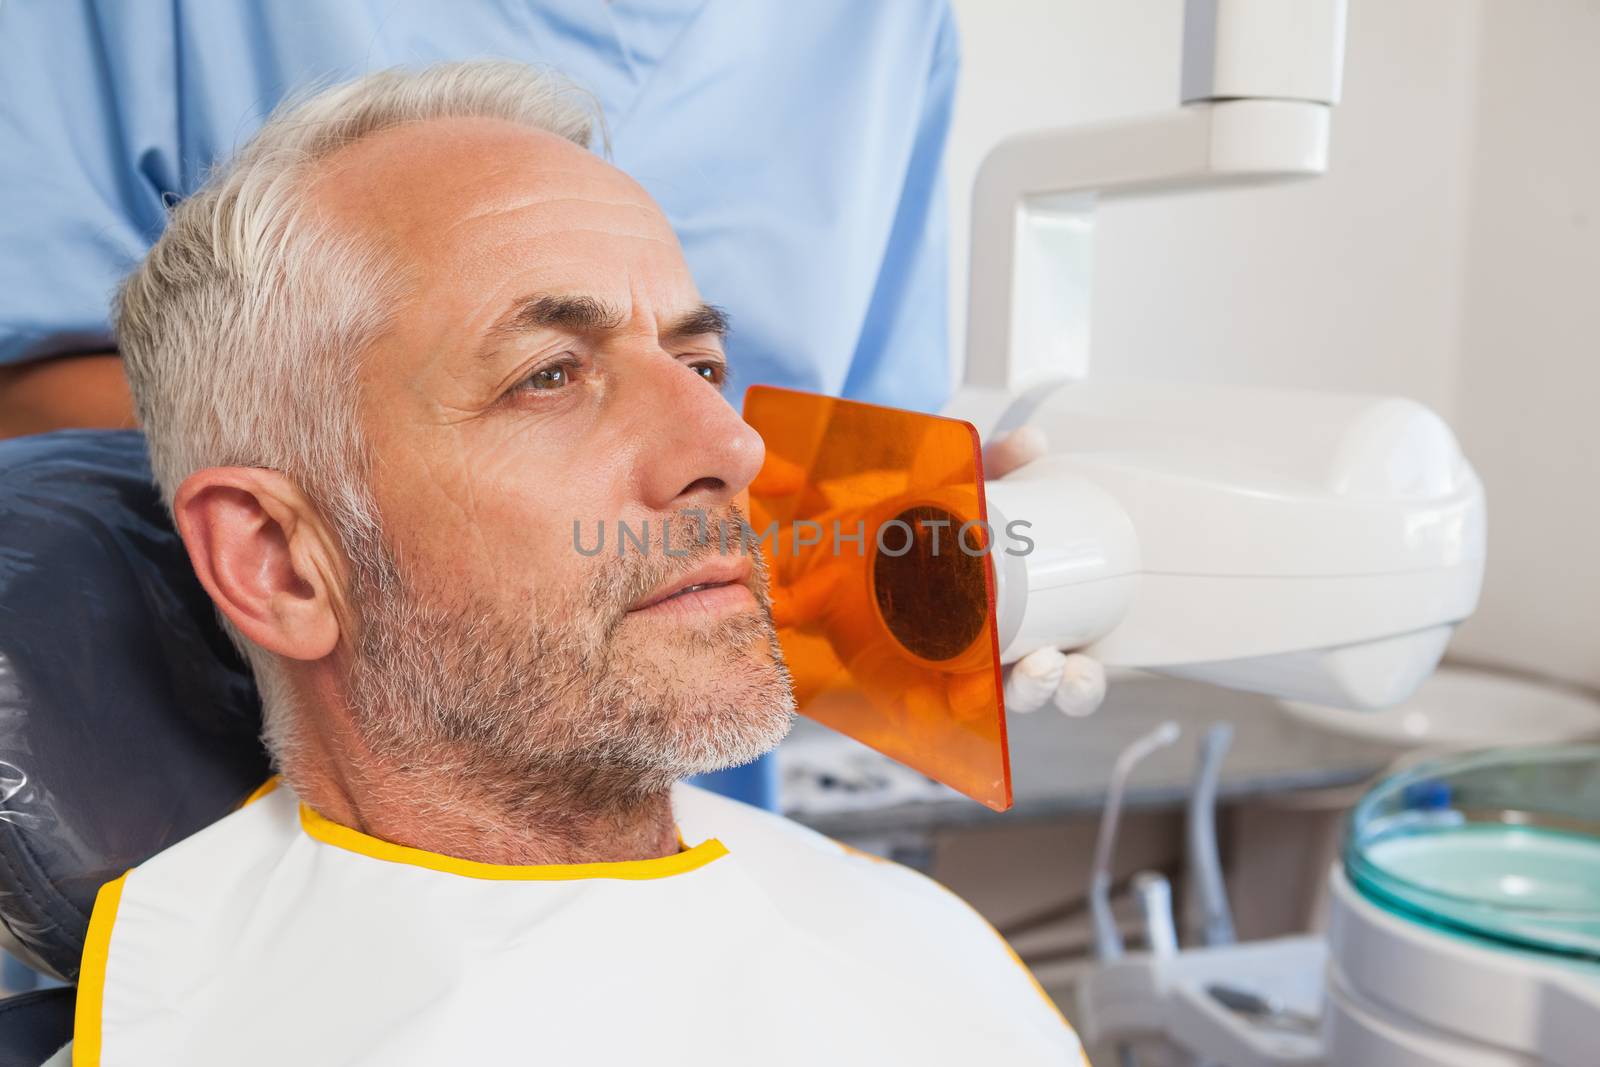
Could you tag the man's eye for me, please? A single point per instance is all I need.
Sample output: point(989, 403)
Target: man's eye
point(715, 373)
point(550, 377)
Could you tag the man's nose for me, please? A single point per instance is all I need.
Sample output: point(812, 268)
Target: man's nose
point(699, 452)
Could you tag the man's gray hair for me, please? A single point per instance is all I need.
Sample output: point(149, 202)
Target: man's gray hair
point(241, 330)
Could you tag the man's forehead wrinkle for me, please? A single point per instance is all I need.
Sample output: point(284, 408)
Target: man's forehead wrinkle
point(654, 230)
point(537, 201)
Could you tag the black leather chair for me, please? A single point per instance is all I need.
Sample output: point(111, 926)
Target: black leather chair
point(127, 719)
point(35, 1025)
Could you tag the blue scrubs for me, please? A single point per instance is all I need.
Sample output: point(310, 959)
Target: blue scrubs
point(795, 145)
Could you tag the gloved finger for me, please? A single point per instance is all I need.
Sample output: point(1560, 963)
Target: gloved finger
point(1082, 688)
point(1016, 449)
point(1033, 680)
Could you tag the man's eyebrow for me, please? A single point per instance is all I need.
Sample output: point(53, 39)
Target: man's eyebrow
point(585, 314)
point(707, 318)
point(576, 314)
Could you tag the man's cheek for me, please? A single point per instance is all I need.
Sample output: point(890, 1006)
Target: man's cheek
point(520, 513)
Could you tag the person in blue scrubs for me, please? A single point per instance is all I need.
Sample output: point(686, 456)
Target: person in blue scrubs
point(795, 147)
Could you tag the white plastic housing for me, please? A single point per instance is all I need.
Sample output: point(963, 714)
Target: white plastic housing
point(1263, 49)
point(1033, 217)
point(1307, 545)
point(1077, 580)
point(1145, 999)
point(1260, 78)
point(1401, 994)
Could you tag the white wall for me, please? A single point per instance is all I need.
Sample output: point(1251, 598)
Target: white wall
point(1528, 404)
point(1452, 254)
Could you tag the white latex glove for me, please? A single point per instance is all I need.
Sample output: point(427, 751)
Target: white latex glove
point(1073, 682)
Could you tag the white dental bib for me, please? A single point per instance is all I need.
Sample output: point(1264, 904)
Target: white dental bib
point(276, 937)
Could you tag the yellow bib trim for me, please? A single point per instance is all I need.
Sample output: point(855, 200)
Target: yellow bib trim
point(92, 975)
point(331, 833)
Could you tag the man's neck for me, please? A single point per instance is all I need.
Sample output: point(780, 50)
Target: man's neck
point(405, 812)
point(446, 810)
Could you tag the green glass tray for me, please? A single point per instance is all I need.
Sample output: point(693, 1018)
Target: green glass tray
point(1501, 845)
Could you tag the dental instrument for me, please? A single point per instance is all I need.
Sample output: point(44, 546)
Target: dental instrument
point(1153, 895)
point(1107, 938)
point(1205, 865)
point(1263, 1009)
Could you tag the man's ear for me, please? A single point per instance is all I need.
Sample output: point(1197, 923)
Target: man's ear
point(265, 557)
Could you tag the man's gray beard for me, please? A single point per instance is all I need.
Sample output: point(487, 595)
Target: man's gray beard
point(543, 711)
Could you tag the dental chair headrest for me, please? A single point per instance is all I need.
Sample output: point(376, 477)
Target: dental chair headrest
point(127, 719)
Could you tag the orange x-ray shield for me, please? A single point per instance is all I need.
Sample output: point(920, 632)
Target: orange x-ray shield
point(873, 524)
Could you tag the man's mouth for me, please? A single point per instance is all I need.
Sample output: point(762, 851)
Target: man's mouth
point(719, 586)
